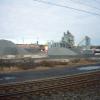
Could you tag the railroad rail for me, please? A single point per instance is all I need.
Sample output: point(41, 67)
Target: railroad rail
point(50, 85)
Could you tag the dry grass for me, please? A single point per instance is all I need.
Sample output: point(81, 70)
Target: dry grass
point(44, 64)
point(9, 69)
point(52, 63)
point(71, 62)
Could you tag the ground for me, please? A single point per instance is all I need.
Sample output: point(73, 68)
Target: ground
point(42, 64)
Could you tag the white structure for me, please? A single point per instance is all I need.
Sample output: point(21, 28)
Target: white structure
point(66, 46)
point(67, 41)
point(87, 42)
point(68, 38)
point(63, 47)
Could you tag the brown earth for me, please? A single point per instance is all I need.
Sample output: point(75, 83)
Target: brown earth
point(46, 64)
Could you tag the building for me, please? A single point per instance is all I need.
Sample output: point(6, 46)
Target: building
point(27, 45)
point(63, 47)
point(68, 39)
point(66, 47)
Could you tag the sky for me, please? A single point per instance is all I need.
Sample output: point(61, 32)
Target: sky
point(26, 21)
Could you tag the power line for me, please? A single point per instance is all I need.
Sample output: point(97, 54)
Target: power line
point(58, 5)
point(88, 5)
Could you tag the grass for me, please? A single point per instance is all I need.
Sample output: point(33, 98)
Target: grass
point(27, 65)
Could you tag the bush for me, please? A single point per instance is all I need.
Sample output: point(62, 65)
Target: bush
point(46, 63)
point(75, 60)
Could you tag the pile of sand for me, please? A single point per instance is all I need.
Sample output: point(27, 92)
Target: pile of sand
point(9, 48)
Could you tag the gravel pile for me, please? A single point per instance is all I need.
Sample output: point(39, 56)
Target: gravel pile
point(9, 48)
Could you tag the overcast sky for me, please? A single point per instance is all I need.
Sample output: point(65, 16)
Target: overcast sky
point(28, 20)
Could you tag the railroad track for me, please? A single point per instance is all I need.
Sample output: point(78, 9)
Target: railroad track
point(50, 85)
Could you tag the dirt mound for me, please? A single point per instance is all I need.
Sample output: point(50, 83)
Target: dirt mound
point(9, 48)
